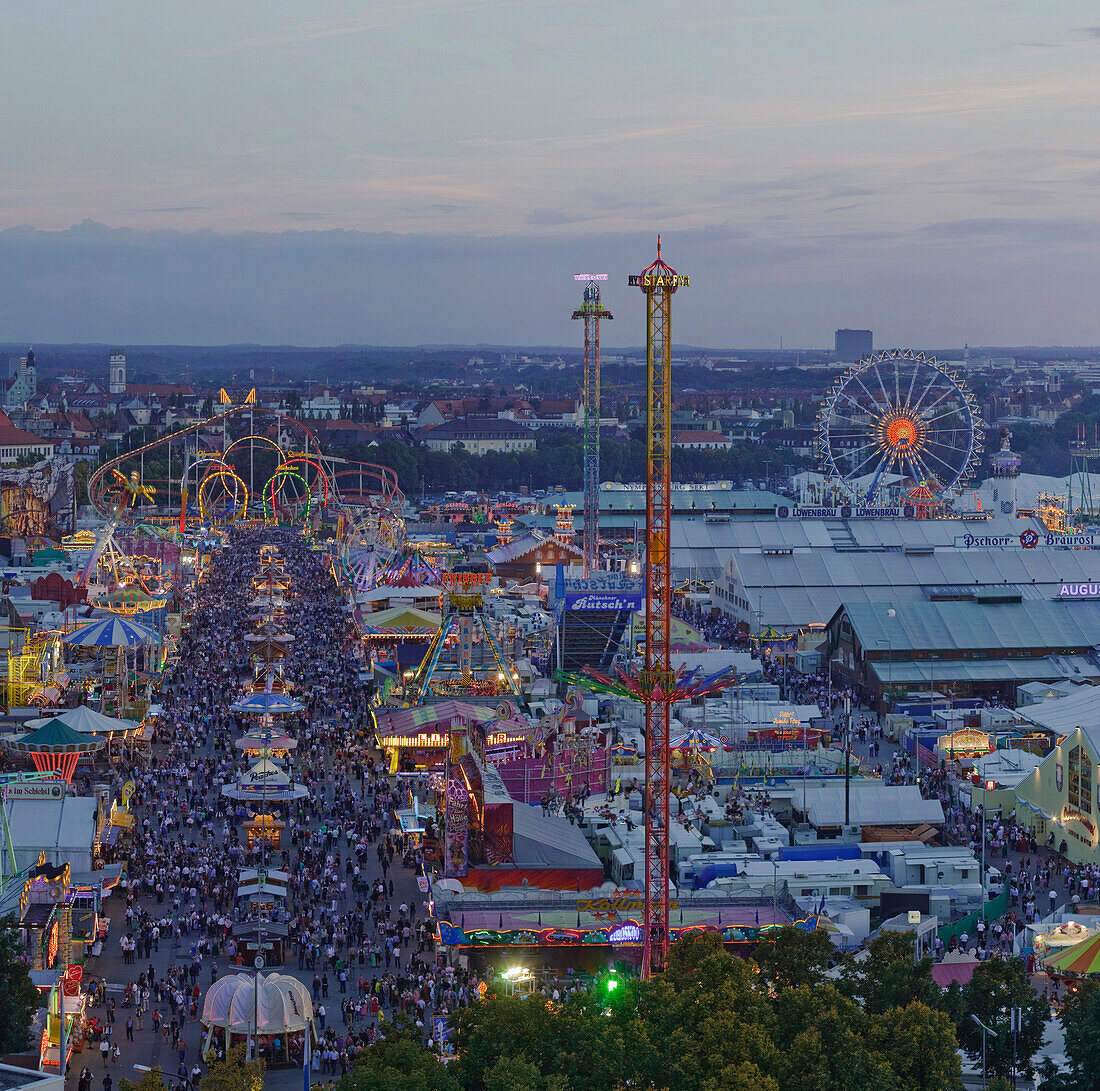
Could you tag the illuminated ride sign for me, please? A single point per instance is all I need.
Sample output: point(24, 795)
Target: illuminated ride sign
point(590, 276)
point(1079, 591)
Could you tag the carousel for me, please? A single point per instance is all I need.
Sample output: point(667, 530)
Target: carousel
point(56, 748)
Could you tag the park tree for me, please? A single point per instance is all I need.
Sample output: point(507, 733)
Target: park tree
point(153, 1080)
point(399, 1063)
point(18, 996)
point(1080, 1019)
point(888, 977)
point(234, 1072)
point(827, 1042)
point(791, 957)
point(996, 987)
point(919, 1044)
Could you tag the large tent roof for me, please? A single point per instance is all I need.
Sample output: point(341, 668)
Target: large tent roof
point(86, 721)
point(872, 804)
point(547, 842)
point(1061, 716)
point(401, 619)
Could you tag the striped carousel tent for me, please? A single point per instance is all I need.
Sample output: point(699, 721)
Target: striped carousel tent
point(55, 747)
point(112, 632)
point(267, 704)
point(1081, 960)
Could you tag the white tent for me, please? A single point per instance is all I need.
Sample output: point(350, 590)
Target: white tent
point(285, 1005)
point(86, 720)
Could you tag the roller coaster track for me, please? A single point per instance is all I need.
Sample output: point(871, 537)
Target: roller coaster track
point(350, 485)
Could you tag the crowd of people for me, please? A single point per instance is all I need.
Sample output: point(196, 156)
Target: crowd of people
point(357, 934)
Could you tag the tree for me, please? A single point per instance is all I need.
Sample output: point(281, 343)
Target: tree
point(153, 1080)
point(996, 987)
point(234, 1073)
point(791, 957)
point(18, 996)
point(920, 1045)
point(1080, 1019)
point(828, 1045)
point(398, 1064)
point(888, 977)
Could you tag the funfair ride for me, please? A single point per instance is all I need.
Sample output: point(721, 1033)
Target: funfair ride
point(899, 413)
point(658, 282)
point(286, 480)
point(591, 310)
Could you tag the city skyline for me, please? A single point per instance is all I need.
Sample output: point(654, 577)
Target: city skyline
point(205, 176)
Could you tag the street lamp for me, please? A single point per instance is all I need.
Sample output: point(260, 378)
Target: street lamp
point(988, 787)
point(985, 1030)
point(775, 889)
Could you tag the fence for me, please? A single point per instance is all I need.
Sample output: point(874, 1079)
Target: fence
point(994, 908)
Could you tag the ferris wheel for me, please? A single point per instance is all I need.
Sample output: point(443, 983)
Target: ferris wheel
point(899, 413)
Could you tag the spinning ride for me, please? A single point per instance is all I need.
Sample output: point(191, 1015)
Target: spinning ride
point(899, 413)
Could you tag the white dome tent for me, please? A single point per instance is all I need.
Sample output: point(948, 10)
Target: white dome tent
point(286, 1014)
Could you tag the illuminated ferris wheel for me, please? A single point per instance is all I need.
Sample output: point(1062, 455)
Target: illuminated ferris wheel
point(899, 413)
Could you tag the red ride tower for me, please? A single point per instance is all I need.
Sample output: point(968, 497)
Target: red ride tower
point(659, 283)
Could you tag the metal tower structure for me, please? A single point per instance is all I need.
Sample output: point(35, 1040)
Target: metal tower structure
point(659, 283)
point(591, 310)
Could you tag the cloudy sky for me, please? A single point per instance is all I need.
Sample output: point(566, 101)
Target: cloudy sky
point(415, 171)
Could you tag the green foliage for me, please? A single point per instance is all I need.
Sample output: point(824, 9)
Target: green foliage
point(153, 1080)
point(400, 1064)
point(888, 977)
point(791, 957)
point(1080, 1019)
point(234, 1073)
point(18, 996)
point(921, 1045)
point(996, 987)
point(711, 1022)
point(558, 459)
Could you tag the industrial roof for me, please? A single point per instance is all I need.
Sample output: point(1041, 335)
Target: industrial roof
point(930, 671)
point(1080, 709)
point(873, 804)
point(958, 626)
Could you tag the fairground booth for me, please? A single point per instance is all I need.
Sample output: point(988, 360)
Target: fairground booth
point(418, 738)
point(588, 929)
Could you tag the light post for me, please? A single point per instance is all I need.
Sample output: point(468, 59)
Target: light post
point(775, 891)
point(987, 788)
point(985, 1030)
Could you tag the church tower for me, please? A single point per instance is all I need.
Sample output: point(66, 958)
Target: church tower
point(118, 372)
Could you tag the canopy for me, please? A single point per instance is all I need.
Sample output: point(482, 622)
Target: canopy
point(266, 740)
point(86, 721)
point(112, 632)
point(1081, 958)
point(285, 1004)
point(694, 740)
point(129, 600)
point(56, 737)
point(267, 704)
point(264, 781)
point(401, 621)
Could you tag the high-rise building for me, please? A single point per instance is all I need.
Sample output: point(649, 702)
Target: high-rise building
point(853, 345)
point(118, 372)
